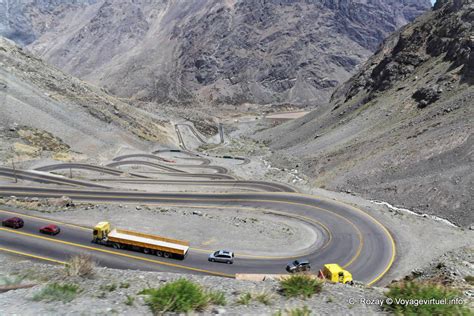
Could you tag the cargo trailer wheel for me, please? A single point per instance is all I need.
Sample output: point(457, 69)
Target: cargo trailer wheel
point(159, 253)
point(146, 251)
point(116, 246)
point(167, 255)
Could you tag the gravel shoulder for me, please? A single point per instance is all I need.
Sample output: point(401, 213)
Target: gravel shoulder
point(111, 291)
point(108, 291)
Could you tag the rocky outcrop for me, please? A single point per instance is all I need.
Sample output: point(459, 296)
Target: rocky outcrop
point(448, 33)
point(426, 96)
point(210, 51)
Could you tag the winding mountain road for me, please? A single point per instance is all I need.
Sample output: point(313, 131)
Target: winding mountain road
point(351, 237)
point(346, 235)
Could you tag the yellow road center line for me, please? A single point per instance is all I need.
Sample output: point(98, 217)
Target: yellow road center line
point(31, 255)
point(387, 233)
point(243, 255)
point(118, 253)
point(385, 230)
point(198, 199)
point(46, 220)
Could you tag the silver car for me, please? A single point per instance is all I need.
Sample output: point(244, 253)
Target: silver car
point(223, 256)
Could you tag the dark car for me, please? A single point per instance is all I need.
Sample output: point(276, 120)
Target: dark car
point(50, 230)
point(298, 266)
point(14, 222)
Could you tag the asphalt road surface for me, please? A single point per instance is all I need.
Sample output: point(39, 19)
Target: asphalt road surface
point(347, 236)
point(351, 237)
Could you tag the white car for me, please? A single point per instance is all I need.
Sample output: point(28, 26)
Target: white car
point(223, 256)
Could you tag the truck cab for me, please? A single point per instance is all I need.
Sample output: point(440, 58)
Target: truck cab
point(334, 273)
point(101, 230)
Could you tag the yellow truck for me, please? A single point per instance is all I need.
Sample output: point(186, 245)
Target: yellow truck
point(334, 273)
point(146, 243)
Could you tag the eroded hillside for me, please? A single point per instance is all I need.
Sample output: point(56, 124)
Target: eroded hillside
point(44, 110)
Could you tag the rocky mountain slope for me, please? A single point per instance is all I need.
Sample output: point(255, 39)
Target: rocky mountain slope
point(23, 21)
point(213, 51)
point(401, 129)
point(43, 110)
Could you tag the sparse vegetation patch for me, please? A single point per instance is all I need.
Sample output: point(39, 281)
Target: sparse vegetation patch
point(58, 292)
point(304, 311)
point(109, 287)
point(181, 296)
point(415, 298)
point(15, 280)
point(244, 299)
point(130, 300)
point(300, 285)
point(264, 298)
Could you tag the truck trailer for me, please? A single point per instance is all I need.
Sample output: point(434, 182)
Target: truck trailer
point(146, 243)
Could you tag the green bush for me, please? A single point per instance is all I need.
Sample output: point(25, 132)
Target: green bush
point(181, 296)
point(300, 285)
point(57, 292)
point(244, 299)
point(16, 280)
point(262, 297)
point(217, 298)
point(423, 291)
point(108, 287)
point(130, 300)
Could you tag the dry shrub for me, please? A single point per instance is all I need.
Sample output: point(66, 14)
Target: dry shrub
point(81, 265)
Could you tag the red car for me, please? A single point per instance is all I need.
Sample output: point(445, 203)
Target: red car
point(14, 222)
point(50, 230)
